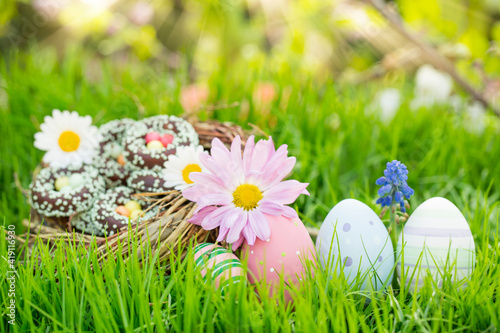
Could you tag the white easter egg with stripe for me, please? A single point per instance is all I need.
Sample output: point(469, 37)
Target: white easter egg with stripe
point(353, 240)
point(218, 264)
point(436, 239)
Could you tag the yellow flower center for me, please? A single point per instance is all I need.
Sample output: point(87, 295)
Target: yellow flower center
point(69, 141)
point(247, 196)
point(187, 170)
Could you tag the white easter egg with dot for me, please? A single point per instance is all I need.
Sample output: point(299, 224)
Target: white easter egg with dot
point(353, 240)
point(436, 239)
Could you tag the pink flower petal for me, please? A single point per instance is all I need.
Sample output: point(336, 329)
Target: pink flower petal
point(214, 168)
point(284, 170)
point(218, 199)
point(276, 159)
point(276, 209)
point(198, 218)
point(191, 193)
point(289, 212)
point(270, 208)
point(218, 151)
point(259, 224)
point(222, 156)
point(232, 217)
point(194, 193)
point(238, 243)
point(235, 232)
point(223, 230)
point(218, 144)
point(213, 220)
point(248, 153)
point(207, 180)
point(249, 235)
point(285, 192)
point(261, 154)
point(236, 152)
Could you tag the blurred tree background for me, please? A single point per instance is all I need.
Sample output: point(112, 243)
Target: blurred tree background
point(344, 39)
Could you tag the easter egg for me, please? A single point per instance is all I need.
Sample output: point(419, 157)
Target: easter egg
point(115, 150)
point(66, 189)
point(353, 240)
point(136, 213)
point(166, 139)
point(76, 180)
point(121, 160)
point(122, 211)
point(152, 136)
point(133, 205)
point(437, 240)
point(61, 182)
point(218, 264)
point(282, 256)
point(155, 144)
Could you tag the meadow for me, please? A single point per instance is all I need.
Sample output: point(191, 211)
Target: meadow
point(341, 149)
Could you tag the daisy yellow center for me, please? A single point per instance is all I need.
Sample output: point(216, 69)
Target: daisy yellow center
point(247, 196)
point(69, 141)
point(187, 170)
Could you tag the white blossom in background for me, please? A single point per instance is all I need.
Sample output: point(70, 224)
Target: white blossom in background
point(431, 87)
point(457, 103)
point(386, 103)
point(475, 117)
point(141, 13)
point(475, 120)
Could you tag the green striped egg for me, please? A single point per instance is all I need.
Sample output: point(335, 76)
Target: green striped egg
point(218, 264)
point(436, 239)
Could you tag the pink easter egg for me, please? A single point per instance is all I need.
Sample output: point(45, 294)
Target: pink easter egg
point(218, 264)
point(152, 136)
point(166, 139)
point(283, 256)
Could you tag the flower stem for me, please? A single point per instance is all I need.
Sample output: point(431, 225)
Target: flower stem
point(393, 225)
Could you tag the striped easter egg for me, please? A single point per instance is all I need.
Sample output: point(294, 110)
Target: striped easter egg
point(436, 239)
point(218, 264)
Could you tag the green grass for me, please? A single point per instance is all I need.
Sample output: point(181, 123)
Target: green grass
point(340, 150)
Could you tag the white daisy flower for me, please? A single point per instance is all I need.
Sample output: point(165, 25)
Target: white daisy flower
point(68, 139)
point(179, 166)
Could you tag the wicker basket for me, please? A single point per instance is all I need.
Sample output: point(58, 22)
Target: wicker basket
point(166, 232)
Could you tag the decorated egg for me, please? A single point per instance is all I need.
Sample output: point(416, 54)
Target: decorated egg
point(61, 182)
point(282, 256)
point(218, 264)
point(437, 241)
point(353, 240)
point(76, 180)
point(152, 136)
point(155, 144)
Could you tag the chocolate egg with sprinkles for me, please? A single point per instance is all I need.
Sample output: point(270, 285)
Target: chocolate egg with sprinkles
point(136, 151)
point(108, 161)
point(147, 181)
point(218, 264)
point(436, 245)
point(105, 218)
point(68, 200)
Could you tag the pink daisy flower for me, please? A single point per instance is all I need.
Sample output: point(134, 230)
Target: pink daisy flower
point(241, 189)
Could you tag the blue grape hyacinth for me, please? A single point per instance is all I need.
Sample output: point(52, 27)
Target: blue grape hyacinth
point(394, 188)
